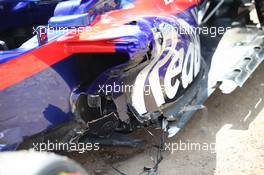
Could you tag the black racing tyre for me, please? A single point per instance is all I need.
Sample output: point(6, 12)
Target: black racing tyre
point(36, 163)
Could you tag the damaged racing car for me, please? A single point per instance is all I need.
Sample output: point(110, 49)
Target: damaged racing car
point(103, 68)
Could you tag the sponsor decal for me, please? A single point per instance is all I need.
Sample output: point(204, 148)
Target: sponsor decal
point(182, 65)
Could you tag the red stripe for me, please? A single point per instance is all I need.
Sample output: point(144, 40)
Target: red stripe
point(30, 63)
point(22, 67)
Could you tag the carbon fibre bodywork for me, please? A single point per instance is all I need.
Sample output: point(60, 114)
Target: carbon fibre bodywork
point(37, 95)
point(105, 65)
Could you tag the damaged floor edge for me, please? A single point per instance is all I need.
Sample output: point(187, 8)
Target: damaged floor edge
point(228, 122)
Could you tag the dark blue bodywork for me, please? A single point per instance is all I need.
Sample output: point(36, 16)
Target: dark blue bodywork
point(42, 101)
point(17, 13)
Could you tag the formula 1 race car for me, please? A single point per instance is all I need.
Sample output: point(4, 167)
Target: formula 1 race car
point(103, 68)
